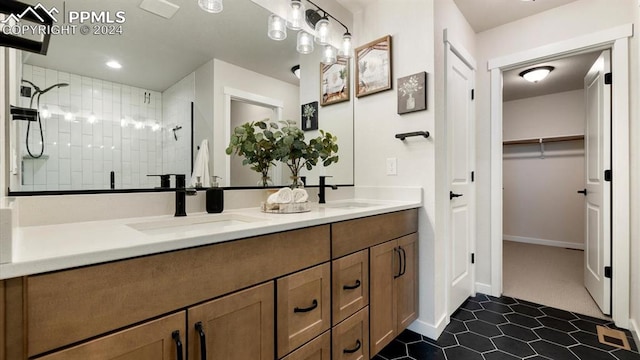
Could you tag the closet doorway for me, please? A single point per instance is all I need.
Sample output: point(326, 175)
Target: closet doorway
point(546, 252)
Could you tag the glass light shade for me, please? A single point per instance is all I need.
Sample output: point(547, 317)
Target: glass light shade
point(277, 28)
point(322, 31)
point(347, 48)
point(212, 6)
point(329, 55)
point(295, 15)
point(536, 74)
point(305, 43)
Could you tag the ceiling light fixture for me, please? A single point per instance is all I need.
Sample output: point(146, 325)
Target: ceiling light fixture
point(211, 6)
point(321, 25)
point(114, 64)
point(296, 14)
point(537, 73)
point(296, 71)
point(329, 55)
point(304, 43)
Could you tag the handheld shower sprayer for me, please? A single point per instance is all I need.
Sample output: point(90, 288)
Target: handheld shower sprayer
point(36, 95)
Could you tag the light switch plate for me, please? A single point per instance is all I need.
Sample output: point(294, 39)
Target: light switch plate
point(392, 166)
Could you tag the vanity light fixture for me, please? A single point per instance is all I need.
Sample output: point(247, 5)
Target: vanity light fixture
point(295, 15)
point(304, 43)
point(211, 6)
point(321, 25)
point(329, 55)
point(537, 73)
point(277, 28)
point(296, 71)
point(114, 64)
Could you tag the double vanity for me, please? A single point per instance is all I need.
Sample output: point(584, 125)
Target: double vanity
point(338, 282)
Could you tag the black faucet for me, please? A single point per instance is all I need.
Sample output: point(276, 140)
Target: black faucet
point(321, 195)
point(181, 195)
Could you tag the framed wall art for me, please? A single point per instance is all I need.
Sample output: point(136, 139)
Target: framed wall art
point(309, 114)
point(334, 82)
point(412, 93)
point(373, 67)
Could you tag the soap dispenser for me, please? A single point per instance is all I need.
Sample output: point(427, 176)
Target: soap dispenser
point(215, 197)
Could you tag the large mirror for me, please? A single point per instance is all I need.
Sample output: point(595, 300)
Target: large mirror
point(186, 79)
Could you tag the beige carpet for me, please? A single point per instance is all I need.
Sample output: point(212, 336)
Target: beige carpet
point(547, 275)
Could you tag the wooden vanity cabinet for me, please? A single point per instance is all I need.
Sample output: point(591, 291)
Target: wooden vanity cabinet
point(350, 282)
point(237, 326)
point(394, 297)
point(316, 349)
point(162, 339)
point(304, 307)
point(351, 337)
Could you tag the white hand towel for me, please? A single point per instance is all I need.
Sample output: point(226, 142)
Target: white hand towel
point(300, 195)
point(201, 166)
point(283, 196)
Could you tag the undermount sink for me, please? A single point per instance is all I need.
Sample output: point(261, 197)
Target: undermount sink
point(205, 222)
point(348, 205)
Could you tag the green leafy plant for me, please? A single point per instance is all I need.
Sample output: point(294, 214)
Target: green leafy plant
point(256, 142)
point(292, 149)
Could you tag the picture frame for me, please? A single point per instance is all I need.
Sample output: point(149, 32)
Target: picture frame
point(412, 93)
point(334, 82)
point(309, 116)
point(373, 67)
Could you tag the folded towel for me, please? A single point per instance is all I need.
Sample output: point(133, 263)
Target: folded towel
point(283, 196)
point(300, 195)
point(201, 166)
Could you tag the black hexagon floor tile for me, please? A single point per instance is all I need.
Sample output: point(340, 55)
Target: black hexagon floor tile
point(531, 332)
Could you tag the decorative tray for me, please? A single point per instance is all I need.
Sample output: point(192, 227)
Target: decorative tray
point(289, 208)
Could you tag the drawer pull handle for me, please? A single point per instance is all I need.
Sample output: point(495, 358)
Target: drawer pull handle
point(176, 337)
point(397, 251)
point(352, 287)
point(404, 262)
point(203, 342)
point(314, 305)
point(351, 351)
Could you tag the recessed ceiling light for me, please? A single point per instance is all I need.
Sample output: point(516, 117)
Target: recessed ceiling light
point(114, 64)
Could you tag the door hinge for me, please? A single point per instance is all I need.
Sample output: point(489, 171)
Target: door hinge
point(473, 94)
point(608, 272)
point(473, 258)
point(473, 176)
point(608, 79)
point(607, 175)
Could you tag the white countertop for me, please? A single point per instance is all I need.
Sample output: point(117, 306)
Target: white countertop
point(38, 249)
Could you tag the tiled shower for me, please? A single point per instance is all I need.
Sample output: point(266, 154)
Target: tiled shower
point(95, 127)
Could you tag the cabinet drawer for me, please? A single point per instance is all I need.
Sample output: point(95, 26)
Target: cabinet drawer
point(351, 337)
point(304, 307)
point(237, 326)
point(350, 285)
point(354, 235)
point(149, 341)
point(73, 305)
point(316, 349)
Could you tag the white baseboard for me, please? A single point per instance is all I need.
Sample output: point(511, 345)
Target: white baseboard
point(529, 240)
point(484, 289)
point(429, 330)
point(635, 330)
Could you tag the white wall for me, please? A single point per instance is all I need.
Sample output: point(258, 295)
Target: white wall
point(410, 24)
point(635, 175)
point(572, 20)
point(540, 203)
point(232, 76)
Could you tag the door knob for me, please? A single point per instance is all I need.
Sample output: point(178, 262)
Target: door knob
point(453, 195)
point(583, 192)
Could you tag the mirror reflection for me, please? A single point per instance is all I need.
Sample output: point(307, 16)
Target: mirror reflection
point(118, 108)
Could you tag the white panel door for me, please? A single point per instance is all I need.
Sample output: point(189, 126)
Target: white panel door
point(597, 253)
point(460, 135)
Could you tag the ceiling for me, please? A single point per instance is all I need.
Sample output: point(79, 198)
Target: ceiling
point(486, 14)
point(156, 52)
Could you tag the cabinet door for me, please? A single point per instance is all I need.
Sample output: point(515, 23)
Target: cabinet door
point(150, 341)
point(316, 349)
point(384, 267)
point(351, 337)
point(350, 285)
point(304, 307)
point(407, 282)
point(238, 326)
